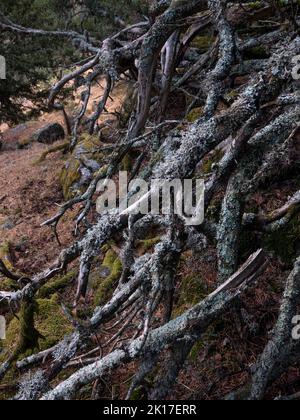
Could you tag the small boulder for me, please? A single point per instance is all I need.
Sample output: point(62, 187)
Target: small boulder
point(49, 134)
point(8, 224)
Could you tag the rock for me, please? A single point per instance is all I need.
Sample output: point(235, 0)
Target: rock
point(49, 134)
point(8, 225)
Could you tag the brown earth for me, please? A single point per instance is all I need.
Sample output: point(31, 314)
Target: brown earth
point(28, 196)
point(30, 192)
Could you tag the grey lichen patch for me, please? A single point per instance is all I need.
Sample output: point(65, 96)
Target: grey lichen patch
point(30, 384)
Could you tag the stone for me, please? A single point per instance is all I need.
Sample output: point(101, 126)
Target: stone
point(8, 225)
point(49, 134)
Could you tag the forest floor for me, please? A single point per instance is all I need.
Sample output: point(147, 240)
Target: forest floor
point(32, 191)
point(28, 197)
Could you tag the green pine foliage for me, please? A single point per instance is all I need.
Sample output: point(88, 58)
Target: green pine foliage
point(33, 62)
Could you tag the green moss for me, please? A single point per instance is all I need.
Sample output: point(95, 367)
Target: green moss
point(109, 259)
point(5, 256)
point(21, 336)
point(255, 5)
point(203, 42)
point(104, 287)
point(92, 147)
point(147, 244)
point(283, 243)
point(28, 335)
point(51, 322)
point(69, 175)
point(192, 291)
point(195, 114)
point(231, 96)
point(102, 172)
point(57, 284)
point(89, 142)
point(216, 157)
point(196, 350)
point(61, 147)
point(50, 327)
point(8, 285)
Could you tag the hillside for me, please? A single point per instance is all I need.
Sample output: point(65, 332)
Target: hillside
point(150, 200)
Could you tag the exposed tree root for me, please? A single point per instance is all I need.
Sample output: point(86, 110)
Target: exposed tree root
point(254, 122)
